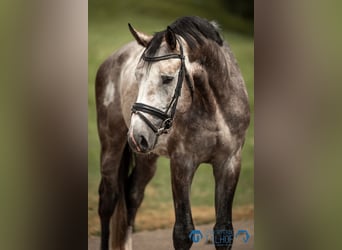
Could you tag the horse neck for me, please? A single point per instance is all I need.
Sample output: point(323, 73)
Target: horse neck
point(213, 59)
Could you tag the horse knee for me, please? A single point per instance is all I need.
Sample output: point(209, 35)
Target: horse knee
point(107, 199)
point(135, 198)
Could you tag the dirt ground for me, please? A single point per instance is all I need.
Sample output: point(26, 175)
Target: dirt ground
point(161, 239)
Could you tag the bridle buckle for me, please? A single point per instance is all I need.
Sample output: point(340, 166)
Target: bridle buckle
point(167, 124)
point(165, 127)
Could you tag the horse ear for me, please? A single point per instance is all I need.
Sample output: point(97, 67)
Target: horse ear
point(141, 38)
point(170, 38)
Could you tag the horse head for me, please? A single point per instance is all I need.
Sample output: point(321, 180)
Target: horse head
point(160, 75)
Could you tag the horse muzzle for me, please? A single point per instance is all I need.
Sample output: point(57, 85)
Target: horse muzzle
point(140, 137)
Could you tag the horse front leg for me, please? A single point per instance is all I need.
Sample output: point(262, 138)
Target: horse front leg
point(143, 172)
point(226, 174)
point(108, 191)
point(182, 173)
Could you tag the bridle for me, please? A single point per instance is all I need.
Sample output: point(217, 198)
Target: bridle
point(166, 116)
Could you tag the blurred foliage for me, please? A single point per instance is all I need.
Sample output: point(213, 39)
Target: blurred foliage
point(243, 8)
point(230, 14)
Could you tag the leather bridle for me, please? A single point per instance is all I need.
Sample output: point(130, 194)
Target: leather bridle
point(166, 116)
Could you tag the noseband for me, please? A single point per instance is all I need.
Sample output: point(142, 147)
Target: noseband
point(165, 116)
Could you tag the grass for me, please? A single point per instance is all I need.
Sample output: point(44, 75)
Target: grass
point(107, 32)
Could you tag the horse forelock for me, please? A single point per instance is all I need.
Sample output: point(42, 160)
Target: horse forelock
point(194, 30)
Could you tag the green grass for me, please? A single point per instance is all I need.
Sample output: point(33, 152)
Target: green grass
point(107, 32)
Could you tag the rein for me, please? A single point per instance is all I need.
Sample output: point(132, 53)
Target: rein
point(166, 116)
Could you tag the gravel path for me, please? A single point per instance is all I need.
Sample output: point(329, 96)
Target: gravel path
point(162, 239)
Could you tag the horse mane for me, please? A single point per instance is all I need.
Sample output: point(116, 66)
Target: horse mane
point(193, 29)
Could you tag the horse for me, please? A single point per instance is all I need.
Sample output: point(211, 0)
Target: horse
point(179, 94)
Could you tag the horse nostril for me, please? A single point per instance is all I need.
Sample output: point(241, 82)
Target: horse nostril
point(143, 143)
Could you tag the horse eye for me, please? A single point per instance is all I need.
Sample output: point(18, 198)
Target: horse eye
point(166, 79)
